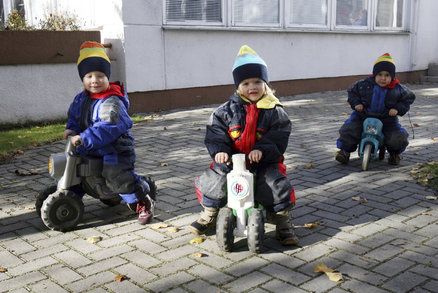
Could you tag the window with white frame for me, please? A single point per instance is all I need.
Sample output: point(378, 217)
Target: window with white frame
point(331, 15)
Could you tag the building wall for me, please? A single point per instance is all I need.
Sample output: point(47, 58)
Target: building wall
point(167, 59)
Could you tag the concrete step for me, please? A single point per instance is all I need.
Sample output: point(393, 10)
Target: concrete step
point(433, 69)
point(429, 78)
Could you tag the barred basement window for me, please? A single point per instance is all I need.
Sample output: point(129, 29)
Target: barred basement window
point(194, 11)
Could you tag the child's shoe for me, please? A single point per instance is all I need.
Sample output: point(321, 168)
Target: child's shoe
point(205, 221)
point(342, 157)
point(145, 210)
point(284, 229)
point(394, 159)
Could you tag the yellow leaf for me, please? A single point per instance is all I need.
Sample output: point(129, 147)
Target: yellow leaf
point(199, 254)
point(322, 268)
point(3, 270)
point(94, 239)
point(120, 278)
point(173, 229)
point(310, 165)
point(431, 197)
point(334, 276)
point(197, 240)
point(163, 164)
point(311, 225)
point(159, 226)
point(360, 199)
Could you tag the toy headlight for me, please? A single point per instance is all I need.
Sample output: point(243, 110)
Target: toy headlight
point(50, 166)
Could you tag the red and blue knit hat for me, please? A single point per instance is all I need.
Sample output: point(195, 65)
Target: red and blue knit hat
point(384, 63)
point(92, 57)
point(249, 65)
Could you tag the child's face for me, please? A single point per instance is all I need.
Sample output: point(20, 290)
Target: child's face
point(383, 78)
point(95, 82)
point(252, 89)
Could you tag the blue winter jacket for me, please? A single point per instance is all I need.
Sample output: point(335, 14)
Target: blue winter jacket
point(100, 123)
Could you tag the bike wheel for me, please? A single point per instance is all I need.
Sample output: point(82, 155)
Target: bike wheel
point(62, 211)
point(366, 157)
point(42, 196)
point(225, 224)
point(256, 231)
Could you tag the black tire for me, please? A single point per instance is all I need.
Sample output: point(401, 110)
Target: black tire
point(225, 224)
point(382, 151)
point(111, 202)
point(366, 156)
point(61, 211)
point(256, 231)
point(42, 196)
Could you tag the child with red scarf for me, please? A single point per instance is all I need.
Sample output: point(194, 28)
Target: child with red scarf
point(252, 122)
point(383, 94)
point(98, 123)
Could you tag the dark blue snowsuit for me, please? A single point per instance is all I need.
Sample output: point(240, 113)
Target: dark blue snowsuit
point(377, 100)
point(103, 125)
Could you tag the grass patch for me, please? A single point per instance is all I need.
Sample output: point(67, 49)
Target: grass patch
point(427, 174)
point(14, 140)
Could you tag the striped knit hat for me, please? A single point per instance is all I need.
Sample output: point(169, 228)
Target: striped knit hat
point(249, 65)
point(384, 63)
point(92, 57)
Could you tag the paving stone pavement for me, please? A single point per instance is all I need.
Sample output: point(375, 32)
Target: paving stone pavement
point(388, 244)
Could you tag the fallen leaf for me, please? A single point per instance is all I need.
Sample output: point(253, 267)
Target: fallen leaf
point(3, 270)
point(173, 229)
point(120, 278)
point(310, 165)
point(25, 173)
point(312, 225)
point(163, 164)
point(159, 226)
point(197, 240)
point(199, 254)
point(435, 138)
point(94, 239)
point(333, 275)
point(416, 125)
point(431, 197)
point(360, 199)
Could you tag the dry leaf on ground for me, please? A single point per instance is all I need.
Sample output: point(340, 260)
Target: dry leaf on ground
point(431, 197)
point(415, 125)
point(360, 199)
point(197, 240)
point(94, 239)
point(331, 273)
point(163, 164)
point(120, 278)
point(310, 165)
point(173, 229)
point(159, 225)
point(312, 225)
point(3, 270)
point(199, 254)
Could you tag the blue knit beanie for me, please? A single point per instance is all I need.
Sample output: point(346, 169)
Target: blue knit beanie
point(249, 65)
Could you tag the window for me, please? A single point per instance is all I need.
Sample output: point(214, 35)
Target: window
point(330, 15)
point(389, 14)
point(256, 12)
point(194, 10)
point(309, 12)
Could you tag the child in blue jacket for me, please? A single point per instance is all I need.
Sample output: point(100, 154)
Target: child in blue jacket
point(383, 94)
point(252, 122)
point(98, 123)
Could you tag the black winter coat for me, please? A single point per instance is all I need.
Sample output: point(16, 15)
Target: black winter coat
point(399, 98)
point(273, 130)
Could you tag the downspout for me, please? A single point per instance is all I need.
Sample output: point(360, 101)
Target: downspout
point(413, 34)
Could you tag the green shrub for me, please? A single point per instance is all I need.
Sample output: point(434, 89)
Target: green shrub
point(17, 22)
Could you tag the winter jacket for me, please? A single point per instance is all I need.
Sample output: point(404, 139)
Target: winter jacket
point(227, 124)
point(103, 124)
point(399, 97)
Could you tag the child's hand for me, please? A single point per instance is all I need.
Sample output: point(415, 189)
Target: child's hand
point(68, 132)
point(221, 158)
point(393, 112)
point(255, 156)
point(76, 140)
point(358, 108)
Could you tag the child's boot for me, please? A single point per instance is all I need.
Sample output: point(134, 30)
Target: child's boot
point(342, 157)
point(146, 191)
point(205, 221)
point(394, 159)
point(284, 230)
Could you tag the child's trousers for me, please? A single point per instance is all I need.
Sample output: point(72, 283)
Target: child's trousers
point(272, 188)
point(395, 136)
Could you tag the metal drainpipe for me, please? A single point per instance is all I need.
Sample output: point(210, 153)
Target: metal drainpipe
point(414, 28)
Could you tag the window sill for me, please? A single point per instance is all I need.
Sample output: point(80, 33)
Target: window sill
point(281, 30)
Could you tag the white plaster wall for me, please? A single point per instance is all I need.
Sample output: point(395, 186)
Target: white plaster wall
point(37, 92)
point(158, 59)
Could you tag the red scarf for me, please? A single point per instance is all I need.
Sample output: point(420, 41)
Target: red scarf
point(247, 140)
point(393, 83)
point(114, 89)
